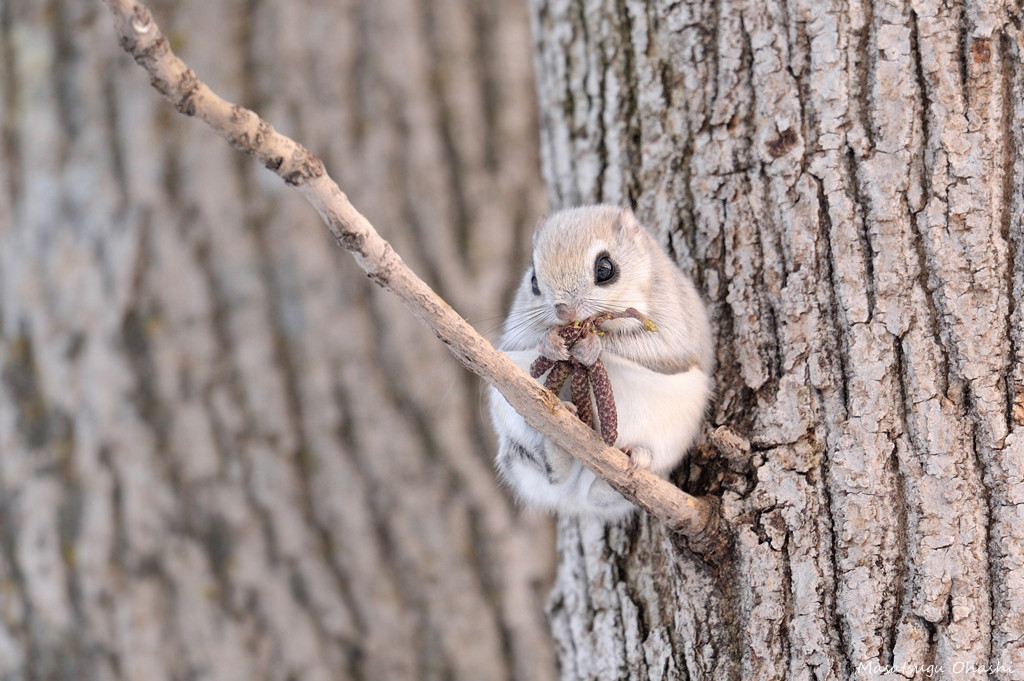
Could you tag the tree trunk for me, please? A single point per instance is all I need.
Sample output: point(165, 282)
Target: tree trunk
point(223, 453)
point(844, 184)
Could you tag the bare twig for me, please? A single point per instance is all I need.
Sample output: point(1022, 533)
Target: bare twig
point(141, 37)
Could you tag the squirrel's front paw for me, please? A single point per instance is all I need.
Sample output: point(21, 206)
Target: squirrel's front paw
point(553, 346)
point(639, 457)
point(587, 349)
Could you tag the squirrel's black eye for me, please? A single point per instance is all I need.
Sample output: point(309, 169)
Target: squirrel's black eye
point(605, 271)
point(534, 285)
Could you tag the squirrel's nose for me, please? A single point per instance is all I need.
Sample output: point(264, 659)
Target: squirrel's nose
point(565, 312)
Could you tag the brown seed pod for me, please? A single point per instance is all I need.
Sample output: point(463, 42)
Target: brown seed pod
point(540, 365)
point(581, 393)
point(556, 379)
point(585, 379)
point(605, 402)
point(572, 333)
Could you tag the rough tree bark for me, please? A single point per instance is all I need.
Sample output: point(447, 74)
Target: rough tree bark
point(223, 453)
point(844, 182)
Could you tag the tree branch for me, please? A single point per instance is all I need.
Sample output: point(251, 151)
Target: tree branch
point(696, 518)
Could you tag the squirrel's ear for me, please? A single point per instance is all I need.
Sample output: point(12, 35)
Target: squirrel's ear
point(626, 221)
point(540, 223)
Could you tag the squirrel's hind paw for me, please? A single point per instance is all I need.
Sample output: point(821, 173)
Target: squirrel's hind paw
point(639, 457)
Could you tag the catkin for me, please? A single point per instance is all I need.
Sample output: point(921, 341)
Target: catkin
point(587, 379)
point(556, 379)
point(581, 393)
point(602, 387)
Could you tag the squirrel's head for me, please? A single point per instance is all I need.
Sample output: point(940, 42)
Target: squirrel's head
point(589, 260)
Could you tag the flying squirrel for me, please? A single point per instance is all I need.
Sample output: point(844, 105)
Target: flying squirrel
point(587, 261)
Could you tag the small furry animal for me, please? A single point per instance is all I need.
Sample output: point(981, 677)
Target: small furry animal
point(585, 261)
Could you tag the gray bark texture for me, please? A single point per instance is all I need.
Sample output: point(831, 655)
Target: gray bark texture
point(224, 453)
point(844, 182)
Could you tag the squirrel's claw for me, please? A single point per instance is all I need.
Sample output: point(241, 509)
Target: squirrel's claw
point(639, 457)
point(553, 346)
point(587, 349)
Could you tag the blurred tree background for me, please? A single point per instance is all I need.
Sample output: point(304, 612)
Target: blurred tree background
point(224, 454)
